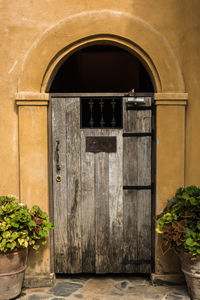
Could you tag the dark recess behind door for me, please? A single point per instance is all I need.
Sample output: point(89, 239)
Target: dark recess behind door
point(101, 69)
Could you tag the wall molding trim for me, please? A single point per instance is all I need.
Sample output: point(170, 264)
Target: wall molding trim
point(171, 98)
point(32, 99)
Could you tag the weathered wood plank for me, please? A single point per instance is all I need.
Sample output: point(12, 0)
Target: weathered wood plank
point(88, 206)
point(144, 160)
point(130, 161)
point(143, 118)
point(94, 225)
point(73, 185)
point(137, 204)
point(144, 229)
point(129, 119)
point(116, 204)
point(130, 231)
point(137, 121)
point(130, 177)
point(59, 188)
point(102, 208)
point(144, 197)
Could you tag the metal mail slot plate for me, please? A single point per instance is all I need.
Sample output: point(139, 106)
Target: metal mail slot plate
point(101, 144)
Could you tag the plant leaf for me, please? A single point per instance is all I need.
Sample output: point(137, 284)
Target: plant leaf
point(36, 247)
point(189, 242)
point(31, 223)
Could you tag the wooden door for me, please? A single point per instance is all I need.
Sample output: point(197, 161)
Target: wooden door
point(102, 187)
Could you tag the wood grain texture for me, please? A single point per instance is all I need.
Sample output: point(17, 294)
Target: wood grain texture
point(130, 161)
point(59, 188)
point(67, 206)
point(102, 212)
point(144, 203)
point(137, 204)
point(101, 183)
point(137, 120)
point(144, 160)
point(130, 231)
point(144, 229)
point(116, 247)
point(88, 206)
point(102, 187)
point(73, 186)
point(99, 227)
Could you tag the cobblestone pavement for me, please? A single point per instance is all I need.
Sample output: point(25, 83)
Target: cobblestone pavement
point(105, 288)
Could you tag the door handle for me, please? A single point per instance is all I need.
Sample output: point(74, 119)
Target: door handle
point(57, 156)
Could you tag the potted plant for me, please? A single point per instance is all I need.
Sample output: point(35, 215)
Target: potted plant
point(179, 224)
point(20, 228)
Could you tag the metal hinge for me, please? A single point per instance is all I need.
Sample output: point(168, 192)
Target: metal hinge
point(137, 134)
point(137, 187)
point(138, 262)
point(139, 107)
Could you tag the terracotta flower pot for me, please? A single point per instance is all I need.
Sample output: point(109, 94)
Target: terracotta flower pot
point(12, 273)
point(191, 270)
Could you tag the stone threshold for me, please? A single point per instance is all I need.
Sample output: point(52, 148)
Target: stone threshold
point(49, 280)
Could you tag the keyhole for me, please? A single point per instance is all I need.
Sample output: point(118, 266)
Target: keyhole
point(58, 178)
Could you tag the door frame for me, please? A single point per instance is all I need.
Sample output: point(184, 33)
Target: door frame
point(153, 161)
point(35, 108)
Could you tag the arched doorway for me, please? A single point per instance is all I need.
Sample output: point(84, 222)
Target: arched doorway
point(102, 166)
point(39, 67)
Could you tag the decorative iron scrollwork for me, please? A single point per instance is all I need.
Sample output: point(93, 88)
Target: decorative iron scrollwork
point(101, 112)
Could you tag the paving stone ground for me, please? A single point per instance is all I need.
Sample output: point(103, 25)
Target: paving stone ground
point(106, 288)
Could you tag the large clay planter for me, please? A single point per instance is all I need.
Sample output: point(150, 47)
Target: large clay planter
point(191, 270)
point(12, 267)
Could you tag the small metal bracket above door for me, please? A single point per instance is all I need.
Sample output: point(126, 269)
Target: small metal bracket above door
point(134, 100)
point(130, 99)
point(101, 144)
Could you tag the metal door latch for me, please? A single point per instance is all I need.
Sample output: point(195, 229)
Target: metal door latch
point(134, 100)
point(131, 99)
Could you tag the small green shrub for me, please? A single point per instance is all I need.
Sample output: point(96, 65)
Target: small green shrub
point(179, 222)
point(21, 227)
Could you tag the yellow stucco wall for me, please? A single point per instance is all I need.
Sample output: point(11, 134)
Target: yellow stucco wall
point(165, 33)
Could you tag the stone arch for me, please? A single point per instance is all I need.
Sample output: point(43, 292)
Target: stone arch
point(91, 27)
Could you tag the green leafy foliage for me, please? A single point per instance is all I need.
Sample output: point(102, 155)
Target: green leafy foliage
point(21, 227)
point(179, 222)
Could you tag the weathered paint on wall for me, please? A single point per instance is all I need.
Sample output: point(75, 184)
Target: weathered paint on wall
point(31, 28)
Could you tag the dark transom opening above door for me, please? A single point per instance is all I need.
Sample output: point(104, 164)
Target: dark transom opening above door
point(101, 112)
